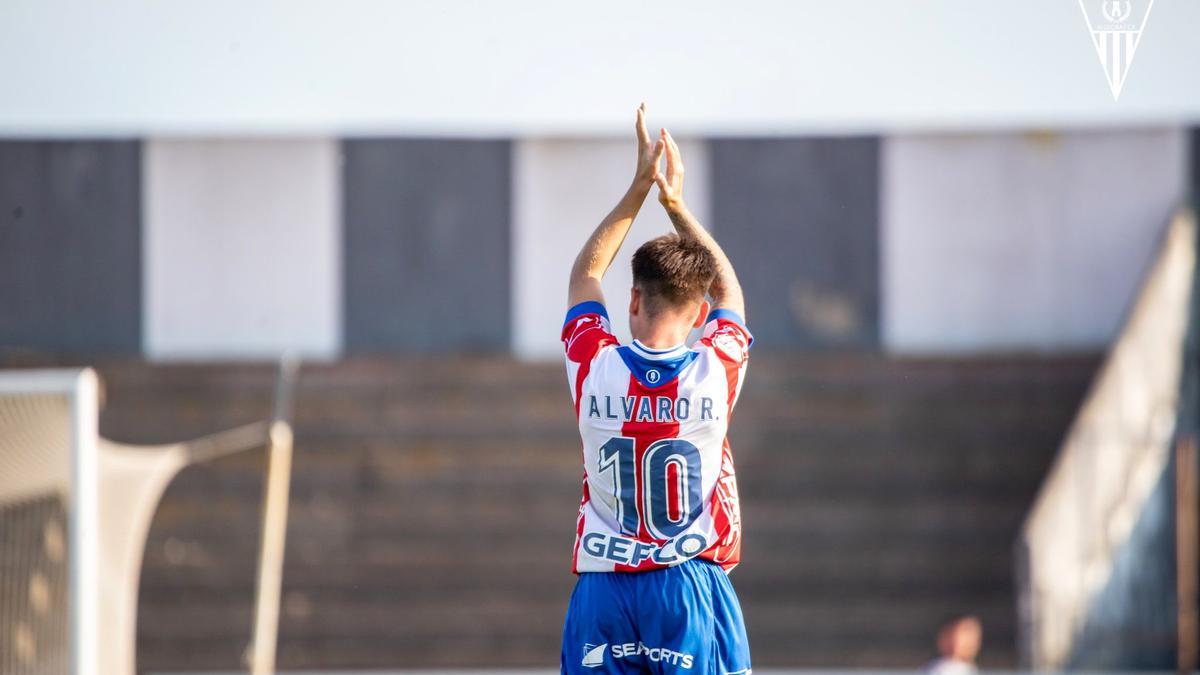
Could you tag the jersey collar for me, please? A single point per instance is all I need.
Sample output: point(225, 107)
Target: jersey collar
point(655, 368)
point(658, 354)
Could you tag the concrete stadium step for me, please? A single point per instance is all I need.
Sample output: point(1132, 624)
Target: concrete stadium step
point(433, 506)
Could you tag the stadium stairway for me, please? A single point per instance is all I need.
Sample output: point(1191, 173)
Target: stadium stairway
point(433, 507)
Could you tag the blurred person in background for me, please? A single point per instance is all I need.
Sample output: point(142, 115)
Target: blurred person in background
point(958, 644)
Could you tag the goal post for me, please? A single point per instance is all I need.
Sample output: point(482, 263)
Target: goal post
point(75, 512)
point(276, 490)
point(49, 490)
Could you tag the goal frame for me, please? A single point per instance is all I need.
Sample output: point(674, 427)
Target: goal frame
point(81, 386)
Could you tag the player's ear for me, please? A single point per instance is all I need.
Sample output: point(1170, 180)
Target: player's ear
point(702, 315)
point(635, 301)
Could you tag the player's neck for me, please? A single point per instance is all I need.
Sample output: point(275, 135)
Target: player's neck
point(661, 337)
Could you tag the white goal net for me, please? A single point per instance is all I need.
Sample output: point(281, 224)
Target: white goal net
point(75, 510)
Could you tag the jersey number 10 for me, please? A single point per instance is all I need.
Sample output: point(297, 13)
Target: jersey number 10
point(668, 498)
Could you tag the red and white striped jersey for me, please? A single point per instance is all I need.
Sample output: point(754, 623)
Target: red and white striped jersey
point(658, 478)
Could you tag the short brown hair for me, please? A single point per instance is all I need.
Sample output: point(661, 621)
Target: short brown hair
point(672, 271)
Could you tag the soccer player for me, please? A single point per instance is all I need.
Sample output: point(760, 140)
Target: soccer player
point(659, 526)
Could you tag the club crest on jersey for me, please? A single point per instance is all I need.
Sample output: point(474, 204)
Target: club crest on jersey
point(730, 346)
point(640, 408)
point(653, 376)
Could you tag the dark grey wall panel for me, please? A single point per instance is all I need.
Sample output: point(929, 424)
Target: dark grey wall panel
point(426, 249)
point(799, 218)
point(70, 246)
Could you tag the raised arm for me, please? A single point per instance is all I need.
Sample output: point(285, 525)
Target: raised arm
point(600, 249)
point(726, 292)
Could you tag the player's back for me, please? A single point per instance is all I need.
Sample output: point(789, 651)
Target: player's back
point(659, 484)
point(659, 525)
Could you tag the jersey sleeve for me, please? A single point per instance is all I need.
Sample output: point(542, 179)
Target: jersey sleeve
point(585, 331)
point(725, 333)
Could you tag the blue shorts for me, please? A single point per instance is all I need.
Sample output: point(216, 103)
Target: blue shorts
point(682, 619)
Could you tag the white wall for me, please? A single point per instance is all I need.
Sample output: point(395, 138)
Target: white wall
point(562, 190)
point(242, 248)
point(1011, 241)
point(544, 66)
